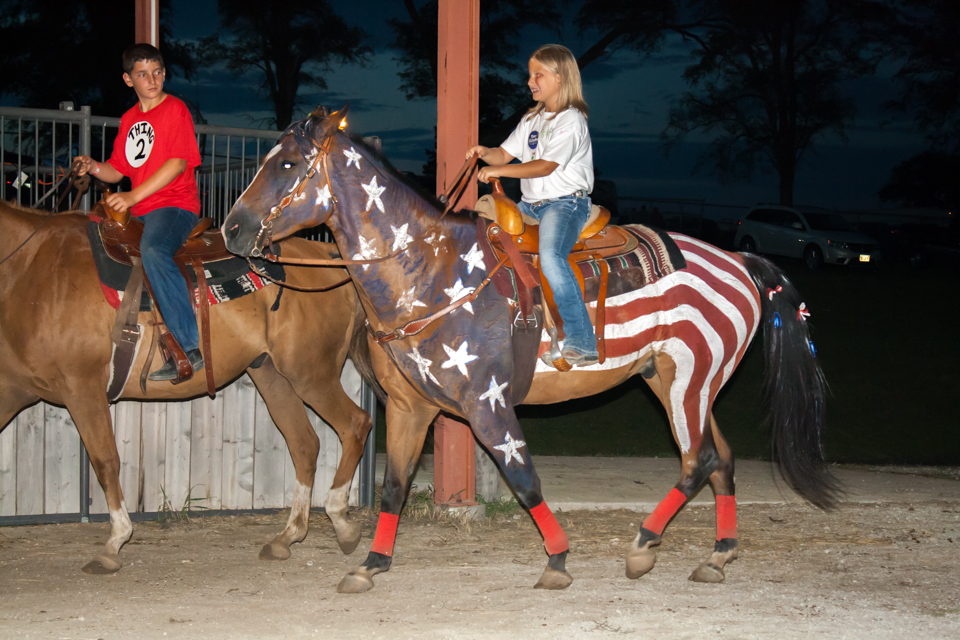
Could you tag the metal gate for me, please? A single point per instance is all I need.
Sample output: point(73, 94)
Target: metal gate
point(222, 454)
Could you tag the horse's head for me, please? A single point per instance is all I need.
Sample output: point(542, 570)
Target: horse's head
point(283, 196)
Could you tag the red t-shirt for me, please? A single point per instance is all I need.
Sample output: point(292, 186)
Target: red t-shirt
point(146, 141)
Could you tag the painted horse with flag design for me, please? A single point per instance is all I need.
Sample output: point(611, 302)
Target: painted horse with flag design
point(447, 335)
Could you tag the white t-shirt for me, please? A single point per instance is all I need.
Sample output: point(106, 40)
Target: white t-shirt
point(565, 140)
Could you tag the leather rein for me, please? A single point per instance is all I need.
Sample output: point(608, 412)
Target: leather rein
point(73, 180)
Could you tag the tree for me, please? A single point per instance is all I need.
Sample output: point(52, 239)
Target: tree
point(288, 44)
point(88, 67)
point(769, 75)
point(928, 179)
point(927, 37)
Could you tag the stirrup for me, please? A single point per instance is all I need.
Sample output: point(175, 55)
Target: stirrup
point(577, 359)
point(169, 369)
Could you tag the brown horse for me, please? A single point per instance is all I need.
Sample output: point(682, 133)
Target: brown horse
point(414, 271)
point(55, 346)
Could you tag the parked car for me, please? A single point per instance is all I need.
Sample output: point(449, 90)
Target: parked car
point(816, 236)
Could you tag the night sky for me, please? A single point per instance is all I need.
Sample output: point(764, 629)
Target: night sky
point(629, 103)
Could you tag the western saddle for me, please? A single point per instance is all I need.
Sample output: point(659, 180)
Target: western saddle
point(518, 237)
point(121, 236)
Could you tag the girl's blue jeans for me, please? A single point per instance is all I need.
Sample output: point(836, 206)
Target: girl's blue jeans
point(164, 231)
point(561, 220)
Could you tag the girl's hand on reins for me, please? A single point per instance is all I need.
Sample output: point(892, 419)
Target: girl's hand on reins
point(479, 151)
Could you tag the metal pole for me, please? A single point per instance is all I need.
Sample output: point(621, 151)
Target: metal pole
point(84, 484)
point(85, 151)
point(368, 463)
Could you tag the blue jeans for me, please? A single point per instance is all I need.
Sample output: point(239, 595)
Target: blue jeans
point(561, 221)
point(164, 231)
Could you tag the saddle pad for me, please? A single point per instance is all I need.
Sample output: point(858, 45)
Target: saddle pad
point(227, 279)
point(655, 255)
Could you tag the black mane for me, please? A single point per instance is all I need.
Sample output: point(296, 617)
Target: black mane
point(404, 178)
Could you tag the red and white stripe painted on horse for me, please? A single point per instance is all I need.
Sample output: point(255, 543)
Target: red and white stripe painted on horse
point(703, 317)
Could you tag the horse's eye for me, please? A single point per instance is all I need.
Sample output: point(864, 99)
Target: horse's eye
point(286, 166)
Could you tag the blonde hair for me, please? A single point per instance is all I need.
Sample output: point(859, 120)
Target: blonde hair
point(561, 61)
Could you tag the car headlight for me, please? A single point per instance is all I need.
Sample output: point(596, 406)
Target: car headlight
point(838, 245)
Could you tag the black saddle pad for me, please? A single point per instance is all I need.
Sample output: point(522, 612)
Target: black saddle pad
point(227, 278)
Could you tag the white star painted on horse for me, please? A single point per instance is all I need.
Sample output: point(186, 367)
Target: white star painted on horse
point(474, 258)
point(509, 448)
point(434, 240)
point(495, 393)
point(367, 252)
point(407, 300)
point(423, 366)
point(352, 157)
point(373, 194)
point(457, 291)
point(400, 237)
point(323, 196)
point(459, 359)
point(310, 157)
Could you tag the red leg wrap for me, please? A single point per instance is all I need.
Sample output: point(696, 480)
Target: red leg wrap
point(386, 534)
point(668, 507)
point(554, 539)
point(726, 517)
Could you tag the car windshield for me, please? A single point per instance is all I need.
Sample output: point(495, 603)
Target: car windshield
point(828, 222)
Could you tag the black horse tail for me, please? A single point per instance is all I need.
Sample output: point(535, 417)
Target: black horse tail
point(794, 386)
point(359, 351)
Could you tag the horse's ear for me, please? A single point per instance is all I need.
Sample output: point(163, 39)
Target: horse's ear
point(319, 112)
point(330, 125)
point(336, 120)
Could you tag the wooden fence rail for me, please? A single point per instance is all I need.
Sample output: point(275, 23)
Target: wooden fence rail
point(224, 453)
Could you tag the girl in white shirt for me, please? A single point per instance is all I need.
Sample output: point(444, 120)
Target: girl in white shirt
point(552, 143)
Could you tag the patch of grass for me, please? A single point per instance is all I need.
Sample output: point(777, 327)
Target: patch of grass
point(504, 507)
point(166, 512)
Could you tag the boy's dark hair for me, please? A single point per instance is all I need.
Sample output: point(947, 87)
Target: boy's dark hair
point(140, 51)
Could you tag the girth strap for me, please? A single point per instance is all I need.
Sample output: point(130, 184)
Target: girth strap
point(203, 307)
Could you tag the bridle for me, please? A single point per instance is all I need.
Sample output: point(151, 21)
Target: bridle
point(263, 238)
point(297, 130)
point(262, 241)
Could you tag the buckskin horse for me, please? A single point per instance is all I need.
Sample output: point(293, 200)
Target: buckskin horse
point(448, 342)
point(55, 346)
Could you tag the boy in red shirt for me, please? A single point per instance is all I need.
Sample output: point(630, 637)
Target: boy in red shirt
point(157, 149)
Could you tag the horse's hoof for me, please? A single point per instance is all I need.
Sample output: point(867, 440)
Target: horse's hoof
point(707, 572)
point(554, 580)
point(102, 565)
point(274, 551)
point(348, 543)
point(354, 583)
point(639, 562)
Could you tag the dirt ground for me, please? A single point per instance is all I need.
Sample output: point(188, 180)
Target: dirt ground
point(862, 571)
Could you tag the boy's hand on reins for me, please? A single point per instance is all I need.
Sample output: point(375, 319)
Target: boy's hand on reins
point(84, 165)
